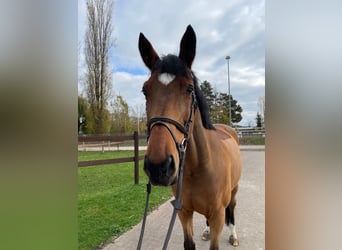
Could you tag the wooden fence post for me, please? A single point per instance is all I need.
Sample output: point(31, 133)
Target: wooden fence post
point(136, 157)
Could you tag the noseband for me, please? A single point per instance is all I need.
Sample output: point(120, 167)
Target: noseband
point(181, 148)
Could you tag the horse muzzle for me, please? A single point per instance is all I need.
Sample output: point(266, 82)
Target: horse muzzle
point(161, 174)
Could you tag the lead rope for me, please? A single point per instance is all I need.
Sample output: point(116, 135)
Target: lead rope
point(177, 203)
point(148, 192)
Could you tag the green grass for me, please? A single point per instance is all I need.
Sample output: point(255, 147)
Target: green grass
point(246, 140)
point(109, 203)
point(252, 140)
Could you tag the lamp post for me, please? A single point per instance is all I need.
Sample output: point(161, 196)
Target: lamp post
point(138, 119)
point(229, 102)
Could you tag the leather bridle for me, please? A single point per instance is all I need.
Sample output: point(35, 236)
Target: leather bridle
point(165, 121)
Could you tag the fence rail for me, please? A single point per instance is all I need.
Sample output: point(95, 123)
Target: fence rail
point(118, 139)
point(112, 139)
point(246, 132)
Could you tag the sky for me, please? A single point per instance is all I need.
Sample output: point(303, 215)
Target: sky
point(234, 28)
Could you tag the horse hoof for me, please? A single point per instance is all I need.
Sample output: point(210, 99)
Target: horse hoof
point(234, 242)
point(206, 236)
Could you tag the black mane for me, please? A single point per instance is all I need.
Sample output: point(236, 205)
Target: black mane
point(202, 105)
point(174, 65)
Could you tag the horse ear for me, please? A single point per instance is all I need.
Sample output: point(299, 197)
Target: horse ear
point(147, 52)
point(188, 46)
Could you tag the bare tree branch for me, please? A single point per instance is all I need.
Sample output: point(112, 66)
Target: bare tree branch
point(98, 42)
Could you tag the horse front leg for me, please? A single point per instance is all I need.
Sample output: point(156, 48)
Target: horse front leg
point(230, 219)
point(216, 222)
point(186, 221)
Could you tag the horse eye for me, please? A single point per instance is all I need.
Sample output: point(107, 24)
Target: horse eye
point(144, 91)
point(189, 89)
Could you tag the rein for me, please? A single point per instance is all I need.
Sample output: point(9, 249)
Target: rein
point(181, 147)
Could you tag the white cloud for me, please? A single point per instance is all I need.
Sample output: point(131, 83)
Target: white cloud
point(129, 87)
point(234, 28)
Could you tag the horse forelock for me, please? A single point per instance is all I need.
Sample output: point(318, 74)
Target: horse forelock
point(173, 66)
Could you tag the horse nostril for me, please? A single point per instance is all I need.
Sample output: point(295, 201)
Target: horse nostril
point(147, 166)
point(159, 173)
point(169, 166)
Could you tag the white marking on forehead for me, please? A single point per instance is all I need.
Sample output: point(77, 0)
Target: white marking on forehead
point(166, 78)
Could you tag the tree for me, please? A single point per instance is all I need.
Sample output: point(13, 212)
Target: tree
point(222, 109)
point(261, 106)
point(82, 114)
point(219, 105)
point(236, 111)
point(98, 42)
point(91, 123)
point(258, 120)
point(121, 122)
point(138, 119)
point(209, 94)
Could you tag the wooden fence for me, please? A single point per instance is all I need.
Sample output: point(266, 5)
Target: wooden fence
point(113, 139)
point(247, 132)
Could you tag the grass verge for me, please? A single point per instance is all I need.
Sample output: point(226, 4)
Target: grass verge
point(109, 203)
point(252, 140)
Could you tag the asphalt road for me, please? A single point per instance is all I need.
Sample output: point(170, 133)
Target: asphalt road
point(250, 216)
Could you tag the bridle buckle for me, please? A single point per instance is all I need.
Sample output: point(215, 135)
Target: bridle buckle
point(183, 145)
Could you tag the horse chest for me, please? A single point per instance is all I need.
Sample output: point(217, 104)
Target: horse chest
point(197, 196)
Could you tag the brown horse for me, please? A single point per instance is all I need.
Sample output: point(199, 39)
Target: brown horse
point(178, 114)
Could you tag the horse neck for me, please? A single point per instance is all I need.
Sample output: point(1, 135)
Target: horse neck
point(198, 147)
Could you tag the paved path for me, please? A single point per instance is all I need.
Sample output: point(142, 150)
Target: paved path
point(250, 215)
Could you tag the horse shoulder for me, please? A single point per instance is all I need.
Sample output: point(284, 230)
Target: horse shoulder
point(230, 137)
point(225, 131)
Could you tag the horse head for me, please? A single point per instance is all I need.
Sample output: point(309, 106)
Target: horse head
point(170, 103)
